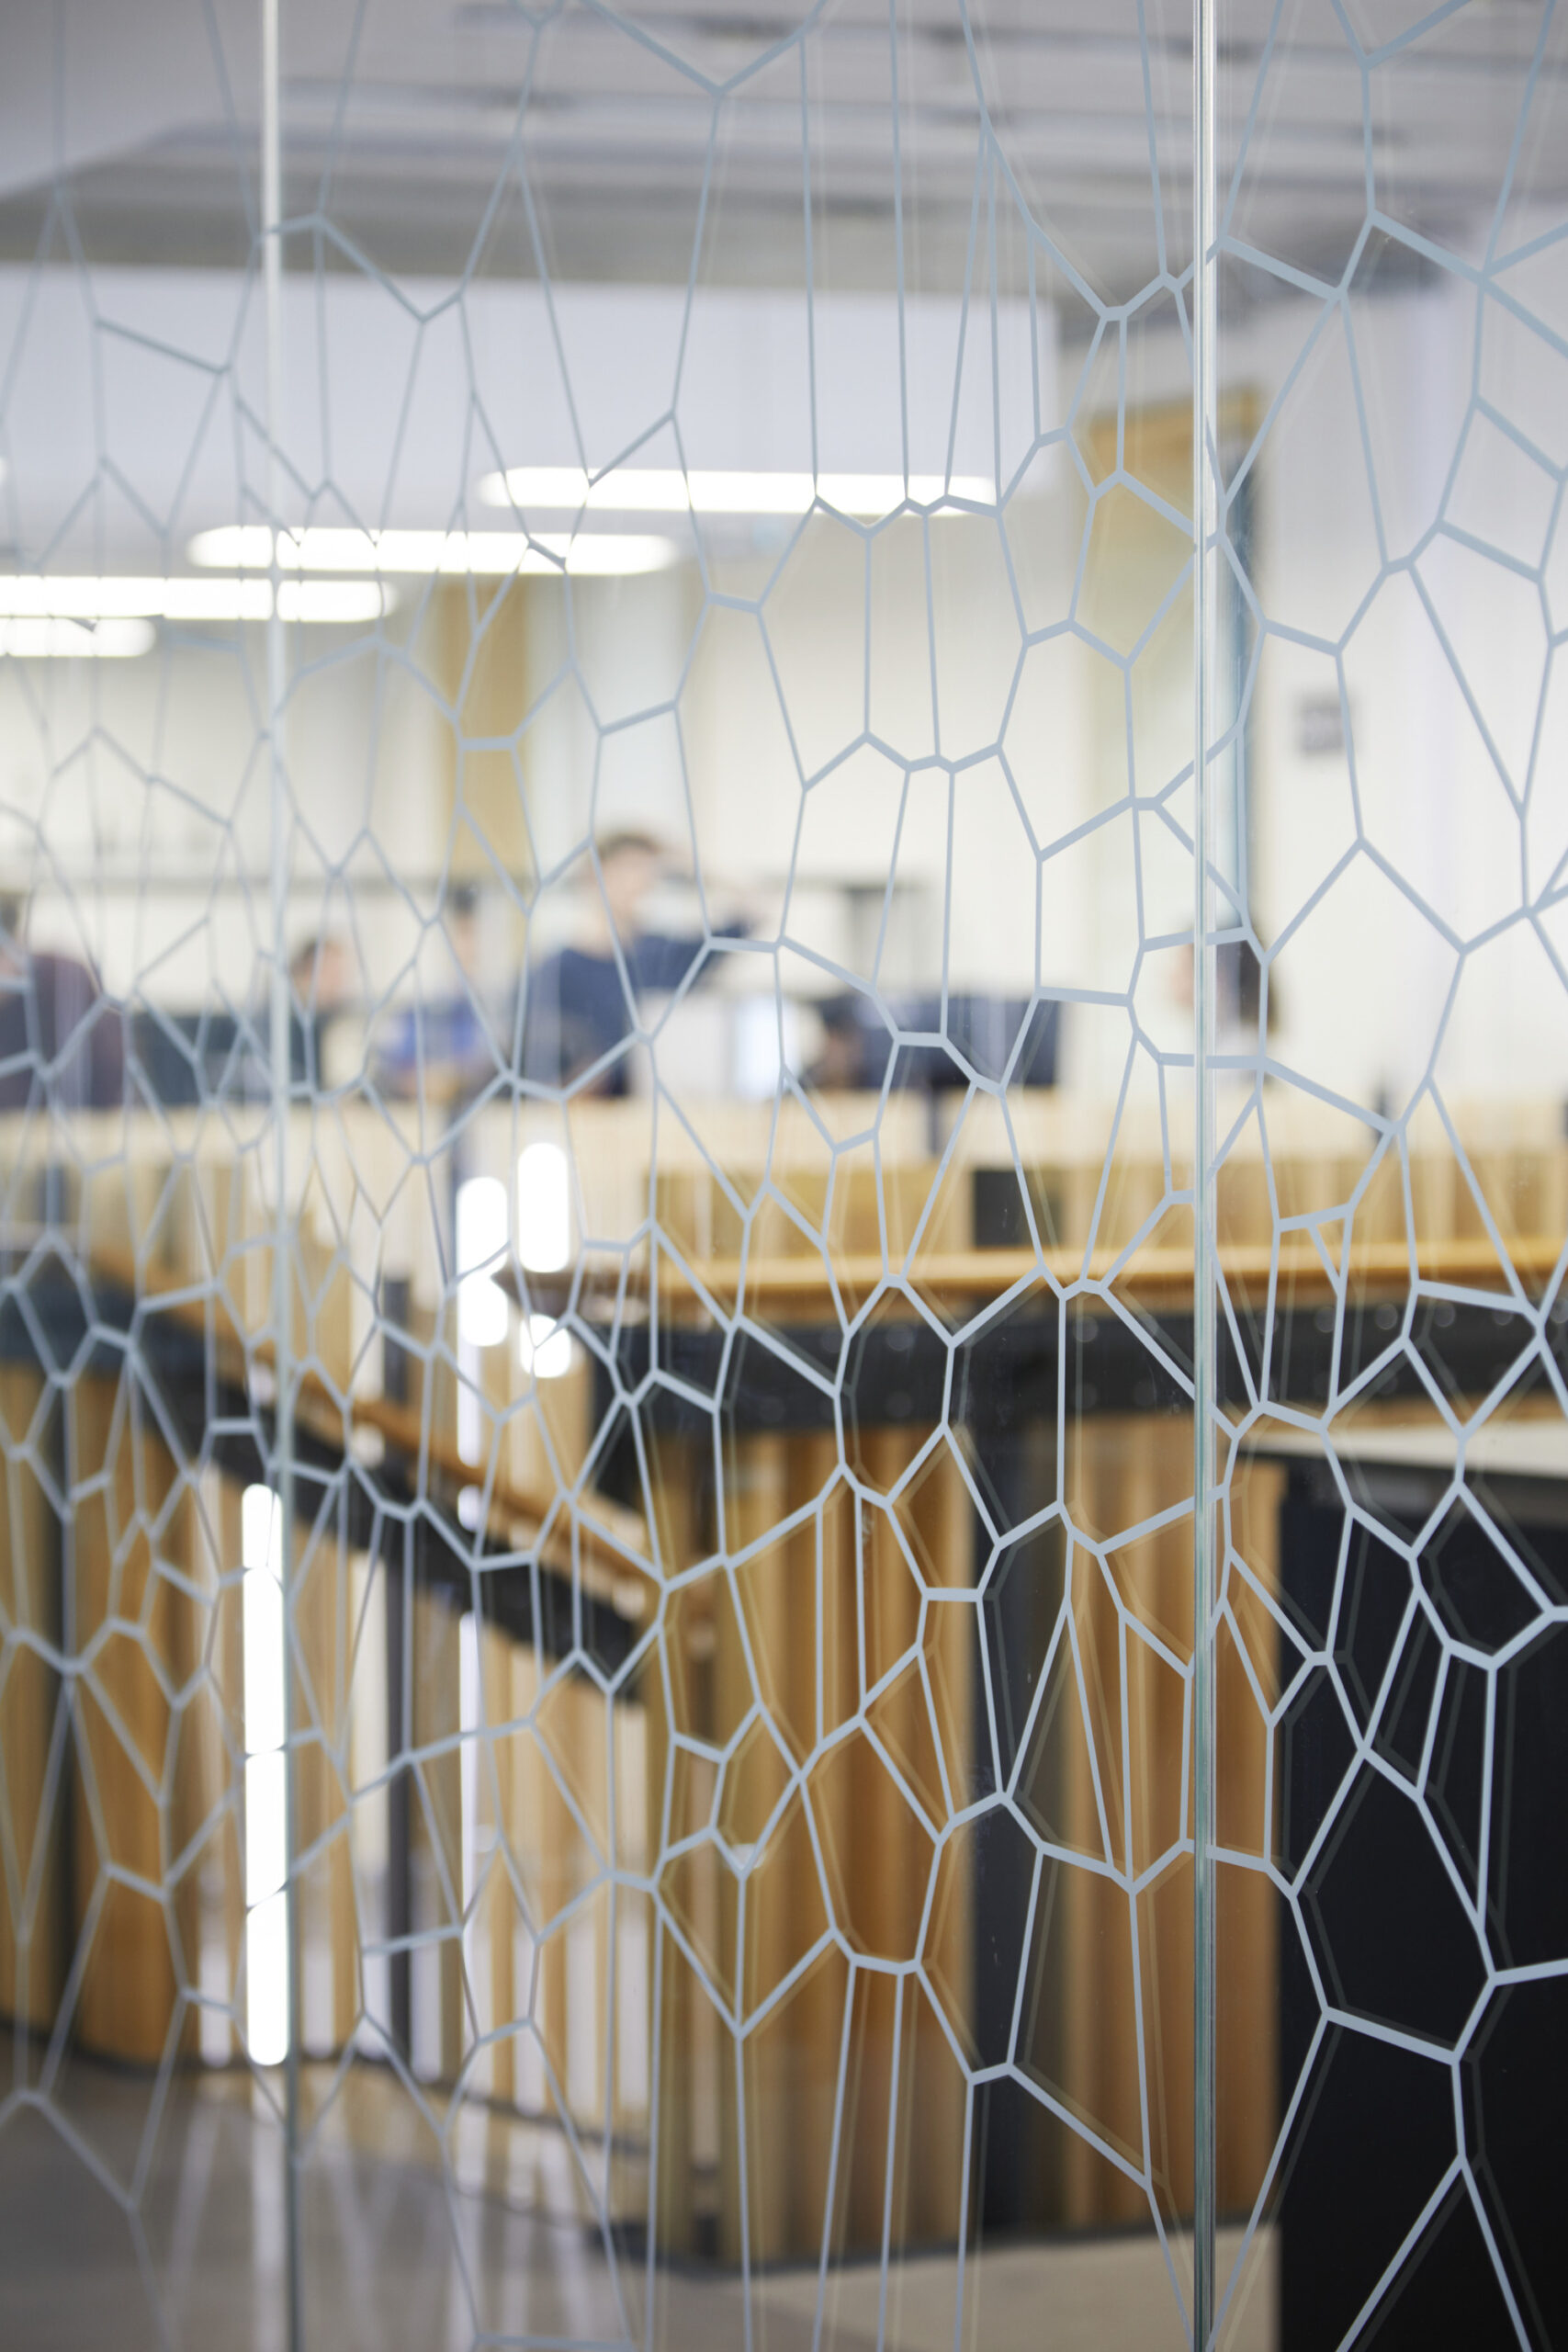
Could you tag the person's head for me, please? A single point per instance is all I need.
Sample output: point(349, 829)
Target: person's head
point(12, 922)
point(841, 1057)
point(319, 972)
point(1248, 990)
point(463, 926)
point(631, 864)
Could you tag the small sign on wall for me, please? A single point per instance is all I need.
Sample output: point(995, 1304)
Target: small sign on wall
point(1320, 727)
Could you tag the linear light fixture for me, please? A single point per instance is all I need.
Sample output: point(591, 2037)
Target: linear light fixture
point(665, 490)
point(49, 636)
point(55, 598)
point(323, 547)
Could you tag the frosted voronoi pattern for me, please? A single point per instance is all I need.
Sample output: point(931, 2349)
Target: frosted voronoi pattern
point(1395, 642)
point(711, 1842)
point(686, 1834)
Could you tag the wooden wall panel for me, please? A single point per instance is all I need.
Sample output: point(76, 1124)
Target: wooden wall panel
point(33, 1927)
point(814, 1626)
point(141, 1632)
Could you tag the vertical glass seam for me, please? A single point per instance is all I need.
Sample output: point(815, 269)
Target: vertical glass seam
point(1204, 453)
point(281, 1067)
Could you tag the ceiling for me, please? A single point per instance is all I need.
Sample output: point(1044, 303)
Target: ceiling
point(426, 138)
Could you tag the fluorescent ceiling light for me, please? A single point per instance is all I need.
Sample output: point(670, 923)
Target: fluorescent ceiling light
point(330, 600)
point(321, 546)
point(660, 490)
point(54, 600)
point(44, 638)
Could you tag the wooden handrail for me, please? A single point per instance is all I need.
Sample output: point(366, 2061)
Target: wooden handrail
point(801, 1289)
point(398, 1426)
point(1151, 1276)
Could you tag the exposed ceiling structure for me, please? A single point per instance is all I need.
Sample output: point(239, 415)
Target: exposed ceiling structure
point(426, 138)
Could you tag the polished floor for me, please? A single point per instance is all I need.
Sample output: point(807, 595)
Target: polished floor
point(158, 2227)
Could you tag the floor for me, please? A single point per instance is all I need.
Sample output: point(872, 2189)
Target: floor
point(158, 2228)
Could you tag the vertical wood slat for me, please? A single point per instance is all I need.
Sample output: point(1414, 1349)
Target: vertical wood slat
point(320, 1600)
point(1096, 2046)
point(804, 2073)
point(755, 1505)
point(492, 1938)
point(519, 1776)
point(435, 1841)
point(943, 1528)
point(1248, 1912)
point(672, 1994)
point(33, 1927)
point(123, 1476)
point(888, 1848)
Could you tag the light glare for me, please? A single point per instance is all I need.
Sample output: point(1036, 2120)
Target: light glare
point(51, 603)
point(321, 546)
point(55, 638)
point(544, 1208)
point(266, 1784)
point(267, 1980)
point(261, 1530)
point(665, 490)
point(545, 1348)
point(266, 1841)
point(263, 1661)
point(481, 1241)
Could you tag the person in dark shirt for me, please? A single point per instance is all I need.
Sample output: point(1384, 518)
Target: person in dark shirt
point(443, 1046)
point(62, 1039)
point(583, 999)
point(321, 988)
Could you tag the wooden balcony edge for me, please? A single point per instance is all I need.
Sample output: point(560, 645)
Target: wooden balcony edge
point(814, 1286)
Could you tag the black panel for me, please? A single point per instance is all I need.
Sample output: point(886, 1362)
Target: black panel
point(1447, 2290)
point(1516, 2092)
point(1373, 2139)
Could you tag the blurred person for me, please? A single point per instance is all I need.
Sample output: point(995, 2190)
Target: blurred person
point(851, 1053)
point(444, 1045)
point(320, 991)
point(578, 1006)
point(62, 1038)
point(1238, 995)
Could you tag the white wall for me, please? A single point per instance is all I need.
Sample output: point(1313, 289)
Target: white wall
point(134, 801)
point(1446, 675)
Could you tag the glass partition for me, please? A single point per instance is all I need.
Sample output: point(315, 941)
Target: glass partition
point(1388, 1203)
point(627, 1137)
